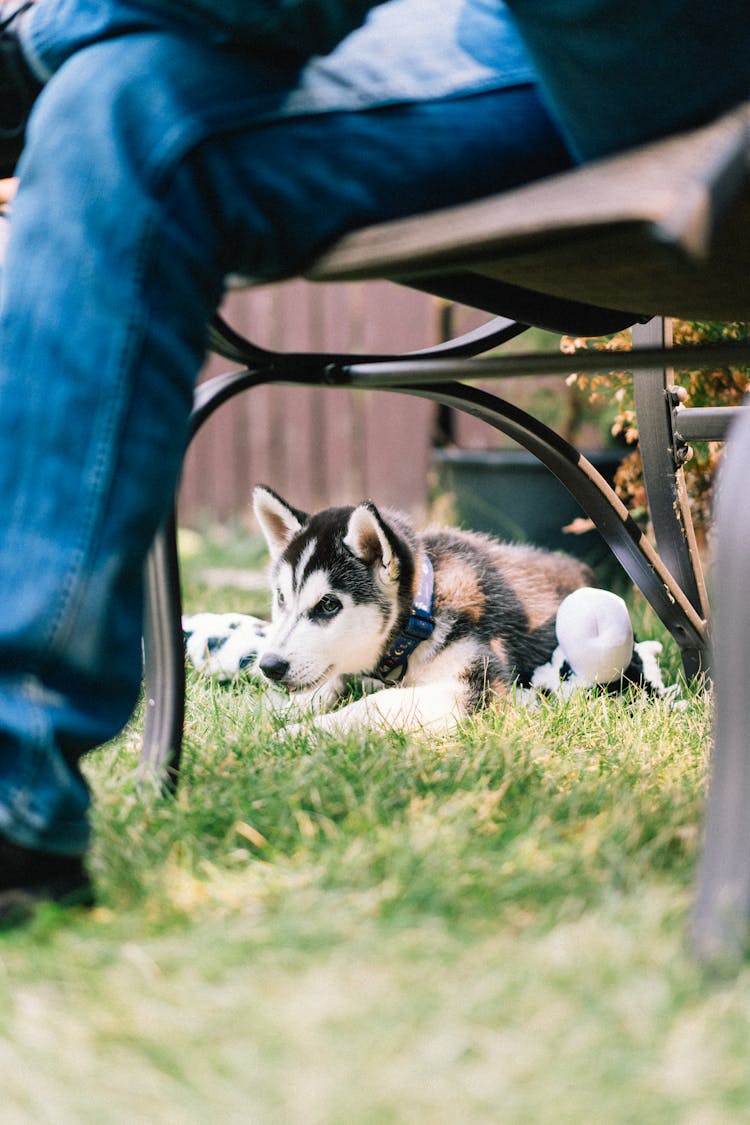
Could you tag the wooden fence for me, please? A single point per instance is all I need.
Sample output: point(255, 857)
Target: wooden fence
point(316, 446)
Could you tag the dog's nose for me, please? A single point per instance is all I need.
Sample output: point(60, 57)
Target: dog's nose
point(273, 666)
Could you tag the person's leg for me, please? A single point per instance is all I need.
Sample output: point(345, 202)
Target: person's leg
point(273, 31)
point(51, 31)
point(295, 186)
point(112, 270)
point(38, 36)
point(133, 206)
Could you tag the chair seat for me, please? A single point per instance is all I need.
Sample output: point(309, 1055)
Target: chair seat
point(661, 230)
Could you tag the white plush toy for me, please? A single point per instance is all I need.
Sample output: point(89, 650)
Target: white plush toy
point(596, 635)
point(596, 646)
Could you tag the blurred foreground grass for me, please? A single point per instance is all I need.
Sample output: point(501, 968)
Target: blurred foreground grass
point(487, 927)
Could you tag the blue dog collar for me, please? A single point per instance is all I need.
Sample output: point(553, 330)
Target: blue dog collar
point(392, 667)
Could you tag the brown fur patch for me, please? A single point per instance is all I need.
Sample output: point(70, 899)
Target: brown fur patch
point(540, 580)
point(457, 588)
point(500, 649)
point(499, 689)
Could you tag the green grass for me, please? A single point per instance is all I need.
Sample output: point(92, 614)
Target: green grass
point(486, 927)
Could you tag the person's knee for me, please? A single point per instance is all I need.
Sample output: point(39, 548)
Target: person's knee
point(112, 108)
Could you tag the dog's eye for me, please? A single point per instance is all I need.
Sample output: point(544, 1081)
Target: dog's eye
point(328, 606)
point(279, 597)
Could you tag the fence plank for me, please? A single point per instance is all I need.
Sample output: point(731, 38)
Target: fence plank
point(317, 447)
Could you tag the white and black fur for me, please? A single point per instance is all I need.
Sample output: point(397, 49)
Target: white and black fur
point(343, 583)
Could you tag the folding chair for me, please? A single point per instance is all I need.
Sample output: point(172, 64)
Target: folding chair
point(660, 231)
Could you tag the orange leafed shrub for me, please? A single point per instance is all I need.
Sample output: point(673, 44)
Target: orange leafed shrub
point(723, 386)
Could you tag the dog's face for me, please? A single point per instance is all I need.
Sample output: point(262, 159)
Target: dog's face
point(335, 579)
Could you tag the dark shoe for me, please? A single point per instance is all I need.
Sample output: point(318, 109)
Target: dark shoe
point(30, 878)
point(18, 90)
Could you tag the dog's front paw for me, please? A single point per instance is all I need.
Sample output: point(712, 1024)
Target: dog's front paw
point(321, 698)
point(314, 722)
point(291, 732)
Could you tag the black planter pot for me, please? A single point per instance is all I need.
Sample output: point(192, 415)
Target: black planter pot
point(510, 494)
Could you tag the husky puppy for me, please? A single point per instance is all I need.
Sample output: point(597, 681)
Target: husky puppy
point(446, 620)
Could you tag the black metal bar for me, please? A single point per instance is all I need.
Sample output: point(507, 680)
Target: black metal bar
point(229, 344)
point(164, 661)
point(313, 368)
point(223, 340)
point(478, 340)
point(704, 423)
point(664, 478)
point(163, 649)
point(210, 395)
point(391, 373)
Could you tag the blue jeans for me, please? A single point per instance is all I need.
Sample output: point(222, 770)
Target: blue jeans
point(151, 172)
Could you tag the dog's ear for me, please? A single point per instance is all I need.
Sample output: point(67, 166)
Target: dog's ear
point(369, 537)
point(278, 521)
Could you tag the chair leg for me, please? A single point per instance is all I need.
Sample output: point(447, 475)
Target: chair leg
point(722, 908)
point(164, 661)
point(665, 483)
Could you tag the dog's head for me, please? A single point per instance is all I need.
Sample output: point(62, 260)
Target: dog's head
point(340, 581)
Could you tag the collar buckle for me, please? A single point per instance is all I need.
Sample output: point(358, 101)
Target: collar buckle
point(420, 625)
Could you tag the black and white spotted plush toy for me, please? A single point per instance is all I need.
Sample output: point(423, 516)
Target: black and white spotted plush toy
point(223, 645)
